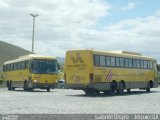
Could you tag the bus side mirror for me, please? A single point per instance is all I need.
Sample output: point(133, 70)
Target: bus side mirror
point(58, 65)
point(31, 67)
point(59, 70)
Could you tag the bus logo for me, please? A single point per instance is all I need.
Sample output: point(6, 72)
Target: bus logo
point(109, 76)
point(77, 58)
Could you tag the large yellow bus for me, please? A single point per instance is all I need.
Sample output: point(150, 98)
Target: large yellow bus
point(31, 71)
point(105, 71)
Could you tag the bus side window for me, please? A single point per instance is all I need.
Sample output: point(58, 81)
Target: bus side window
point(11, 67)
point(113, 61)
point(138, 63)
point(117, 62)
point(145, 64)
point(18, 66)
point(15, 66)
point(4, 68)
point(148, 66)
point(134, 63)
point(96, 60)
point(7, 67)
point(142, 64)
point(151, 65)
point(102, 61)
point(122, 62)
point(26, 64)
point(108, 61)
point(130, 63)
point(23, 65)
point(155, 66)
point(126, 61)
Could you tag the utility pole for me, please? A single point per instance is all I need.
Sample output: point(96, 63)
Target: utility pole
point(34, 16)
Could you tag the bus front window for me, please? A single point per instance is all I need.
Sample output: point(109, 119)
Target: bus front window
point(44, 66)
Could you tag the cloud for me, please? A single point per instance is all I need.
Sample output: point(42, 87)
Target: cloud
point(67, 24)
point(3, 5)
point(137, 35)
point(55, 14)
point(58, 22)
point(130, 5)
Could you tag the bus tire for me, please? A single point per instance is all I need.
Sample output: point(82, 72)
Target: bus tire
point(8, 85)
point(128, 90)
point(113, 88)
point(30, 89)
point(25, 86)
point(11, 86)
point(148, 89)
point(106, 92)
point(97, 92)
point(121, 88)
point(48, 89)
point(88, 92)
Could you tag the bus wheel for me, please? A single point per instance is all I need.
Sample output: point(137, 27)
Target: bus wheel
point(25, 86)
point(11, 86)
point(48, 89)
point(148, 88)
point(106, 92)
point(8, 85)
point(97, 92)
point(113, 88)
point(121, 88)
point(88, 92)
point(30, 89)
point(128, 90)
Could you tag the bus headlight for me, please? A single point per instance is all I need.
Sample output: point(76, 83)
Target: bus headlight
point(35, 81)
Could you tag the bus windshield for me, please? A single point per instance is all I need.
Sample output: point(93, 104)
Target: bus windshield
point(44, 66)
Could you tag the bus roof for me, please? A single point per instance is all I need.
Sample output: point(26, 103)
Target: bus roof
point(29, 57)
point(118, 53)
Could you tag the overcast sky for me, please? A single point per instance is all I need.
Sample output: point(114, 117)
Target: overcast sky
point(132, 25)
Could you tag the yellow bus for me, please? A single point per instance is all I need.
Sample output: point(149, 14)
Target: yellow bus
point(109, 71)
point(31, 71)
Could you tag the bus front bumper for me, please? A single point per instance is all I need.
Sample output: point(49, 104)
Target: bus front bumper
point(44, 85)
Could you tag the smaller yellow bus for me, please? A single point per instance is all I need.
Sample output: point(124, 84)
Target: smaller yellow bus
point(105, 71)
point(31, 71)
